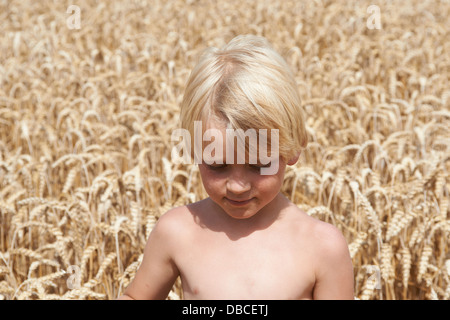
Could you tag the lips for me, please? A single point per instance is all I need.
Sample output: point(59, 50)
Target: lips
point(239, 203)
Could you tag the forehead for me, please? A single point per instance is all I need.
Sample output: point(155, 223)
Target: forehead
point(221, 132)
point(214, 127)
point(223, 144)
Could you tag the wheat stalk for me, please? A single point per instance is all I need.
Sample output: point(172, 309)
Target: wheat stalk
point(86, 118)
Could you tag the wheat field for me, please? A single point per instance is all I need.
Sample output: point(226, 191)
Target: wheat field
point(86, 116)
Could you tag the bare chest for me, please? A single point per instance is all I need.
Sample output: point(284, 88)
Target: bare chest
point(216, 267)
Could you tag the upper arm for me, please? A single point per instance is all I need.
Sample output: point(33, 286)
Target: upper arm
point(157, 272)
point(334, 270)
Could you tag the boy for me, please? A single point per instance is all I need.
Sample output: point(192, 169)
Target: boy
point(246, 240)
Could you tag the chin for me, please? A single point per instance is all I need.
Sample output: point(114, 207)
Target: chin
point(239, 213)
point(238, 216)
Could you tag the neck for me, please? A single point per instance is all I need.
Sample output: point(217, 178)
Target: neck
point(238, 228)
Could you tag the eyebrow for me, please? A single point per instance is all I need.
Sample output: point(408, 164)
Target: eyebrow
point(247, 162)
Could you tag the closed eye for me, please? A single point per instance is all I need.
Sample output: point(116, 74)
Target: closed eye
point(261, 165)
point(216, 166)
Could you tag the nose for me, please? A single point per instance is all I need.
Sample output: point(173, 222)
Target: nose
point(237, 182)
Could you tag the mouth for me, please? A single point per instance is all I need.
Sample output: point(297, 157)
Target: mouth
point(239, 203)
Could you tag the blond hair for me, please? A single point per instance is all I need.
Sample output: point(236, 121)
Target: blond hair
point(246, 85)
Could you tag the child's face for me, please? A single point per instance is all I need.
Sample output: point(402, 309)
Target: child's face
point(240, 189)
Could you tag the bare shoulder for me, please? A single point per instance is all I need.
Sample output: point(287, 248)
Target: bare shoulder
point(330, 258)
point(158, 269)
point(171, 225)
point(173, 220)
point(183, 220)
point(173, 215)
point(322, 236)
point(327, 236)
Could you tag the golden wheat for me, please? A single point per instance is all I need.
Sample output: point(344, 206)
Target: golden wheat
point(86, 117)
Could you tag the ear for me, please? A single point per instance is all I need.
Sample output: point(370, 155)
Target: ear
point(294, 159)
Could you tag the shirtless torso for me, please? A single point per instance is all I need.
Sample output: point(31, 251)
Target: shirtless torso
point(285, 255)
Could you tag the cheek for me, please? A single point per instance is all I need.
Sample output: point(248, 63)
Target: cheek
point(270, 184)
point(267, 185)
point(212, 182)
